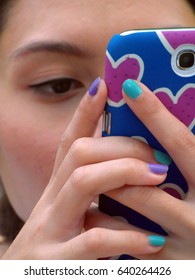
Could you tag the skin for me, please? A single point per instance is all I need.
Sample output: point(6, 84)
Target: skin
point(48, 155)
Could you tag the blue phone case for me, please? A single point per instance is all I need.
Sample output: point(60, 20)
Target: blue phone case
point(162, 59)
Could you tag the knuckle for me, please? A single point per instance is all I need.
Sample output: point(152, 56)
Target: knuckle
point(185, 215)
point(79, 148)
point(135, 241)
point(184, 139)
point(151, 109)
point(143, 195)
point(94, 239)
point(77, 178)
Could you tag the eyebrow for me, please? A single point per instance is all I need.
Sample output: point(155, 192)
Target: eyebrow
point(64, 48)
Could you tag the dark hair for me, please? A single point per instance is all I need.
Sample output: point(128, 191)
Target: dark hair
point(10, 223)
point(5, 9)
point(192, 2)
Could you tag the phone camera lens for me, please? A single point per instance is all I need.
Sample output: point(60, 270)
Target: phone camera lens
point(186, 60)
point(183, 60)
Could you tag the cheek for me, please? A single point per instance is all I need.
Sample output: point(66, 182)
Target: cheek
point(27, 154)
point(28, 147)
point(30, 132)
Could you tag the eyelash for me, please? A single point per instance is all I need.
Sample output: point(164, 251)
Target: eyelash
point(59, 86)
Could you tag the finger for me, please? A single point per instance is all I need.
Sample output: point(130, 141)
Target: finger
point(85, 120)
point(174, 136)
point(100, 243)
point(89, 181)
point(96, 218)
point(85, 151)
point(171, 213)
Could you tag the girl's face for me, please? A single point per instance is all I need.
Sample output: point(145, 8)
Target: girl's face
point(50, 52)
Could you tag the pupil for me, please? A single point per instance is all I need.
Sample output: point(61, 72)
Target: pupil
point(61, 86)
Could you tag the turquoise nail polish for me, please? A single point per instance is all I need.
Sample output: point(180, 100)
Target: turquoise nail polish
point(131, 89)
point(157, 241)
point(162, 157)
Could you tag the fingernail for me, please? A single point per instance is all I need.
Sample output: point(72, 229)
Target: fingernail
point(158, 168)
point(162, 157)
point(157, 241)
point(94, 87)
point(131, 89)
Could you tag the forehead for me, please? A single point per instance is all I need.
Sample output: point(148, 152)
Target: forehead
point(93, 13)
point(88, 21)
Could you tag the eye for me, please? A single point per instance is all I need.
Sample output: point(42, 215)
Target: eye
point(58, 86)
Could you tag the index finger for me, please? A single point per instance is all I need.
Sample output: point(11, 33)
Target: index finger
point(173, 135)
point(85, 119)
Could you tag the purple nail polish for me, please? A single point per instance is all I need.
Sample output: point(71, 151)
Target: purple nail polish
point(158, 168)
point(94, 87)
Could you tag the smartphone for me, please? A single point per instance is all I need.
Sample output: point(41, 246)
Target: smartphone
point(164, 60)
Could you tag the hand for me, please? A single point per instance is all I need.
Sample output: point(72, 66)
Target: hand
point(86, 166)
point(171, 213)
